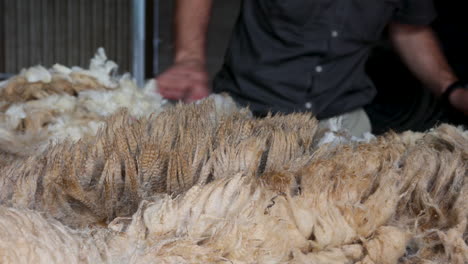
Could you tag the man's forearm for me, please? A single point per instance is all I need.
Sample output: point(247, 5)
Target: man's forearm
point(420, 49)
point(191, 25)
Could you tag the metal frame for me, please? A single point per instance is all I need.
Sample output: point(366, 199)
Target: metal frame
point(156, 38)
point(4, 76)
point(138, 40)
point(2, 35)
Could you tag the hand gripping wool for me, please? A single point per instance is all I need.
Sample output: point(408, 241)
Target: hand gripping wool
point(194, 184)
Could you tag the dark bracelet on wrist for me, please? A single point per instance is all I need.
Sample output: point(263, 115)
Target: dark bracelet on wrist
point(454, 86)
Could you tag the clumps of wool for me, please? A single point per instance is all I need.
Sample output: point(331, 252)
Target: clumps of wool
point(41, 105)
point(194, 184)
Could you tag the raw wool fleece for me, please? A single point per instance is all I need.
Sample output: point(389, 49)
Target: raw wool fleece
point(99, 178)
point(196, 185)
point(41, 105)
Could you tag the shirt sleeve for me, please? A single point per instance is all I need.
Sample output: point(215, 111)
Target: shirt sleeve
point(416, 12)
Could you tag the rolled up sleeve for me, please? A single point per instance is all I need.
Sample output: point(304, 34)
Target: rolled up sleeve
point(416, 12)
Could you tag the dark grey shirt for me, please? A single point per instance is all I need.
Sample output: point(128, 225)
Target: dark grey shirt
point(309, 55)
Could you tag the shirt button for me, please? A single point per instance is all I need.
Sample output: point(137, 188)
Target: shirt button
point(319, 69)
point(308, 105)
point(335, 33)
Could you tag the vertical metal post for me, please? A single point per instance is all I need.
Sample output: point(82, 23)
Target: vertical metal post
point(156, 39)
point(2, 38)
point(138, 40)
point(4, 76)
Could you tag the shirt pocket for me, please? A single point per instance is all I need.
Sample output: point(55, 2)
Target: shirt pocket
point(293, 13)
point(366, 19)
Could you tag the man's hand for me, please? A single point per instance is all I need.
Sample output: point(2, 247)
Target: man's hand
point(185, 80)
point(459, 100)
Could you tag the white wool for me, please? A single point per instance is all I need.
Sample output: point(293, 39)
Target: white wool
point(94, 126)
point(72, 116)
point(62, 72)
point(5, 134)
point(100, 63)
point(151, 86)
point(106, 103)
point(345, 255)
point(336, 134)
point(366, 137)
point(13, 116)
point(227, 211)
point(37, 74)
point(59, 68)
point(332, 127)
point(37, 240)
point(128, 96)
point(65, 127)
point(388, 245)
point(151, 90)
point(99, 102)
point(16, 111)
point(3, 84)
point(332, 138)
point(224, 103)
point(57, 103)
point(101, 69)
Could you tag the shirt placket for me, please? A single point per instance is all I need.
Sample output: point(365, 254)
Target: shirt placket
point(335, 27)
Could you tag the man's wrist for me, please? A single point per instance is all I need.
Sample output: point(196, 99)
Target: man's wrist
point(450, 93)
point(190, 57)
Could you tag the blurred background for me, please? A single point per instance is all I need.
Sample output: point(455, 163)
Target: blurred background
point(70, 31)
point(137, 35)
point(65, 31)
point(402, 103)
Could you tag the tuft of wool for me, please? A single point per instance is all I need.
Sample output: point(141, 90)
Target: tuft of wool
point(37, 74)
